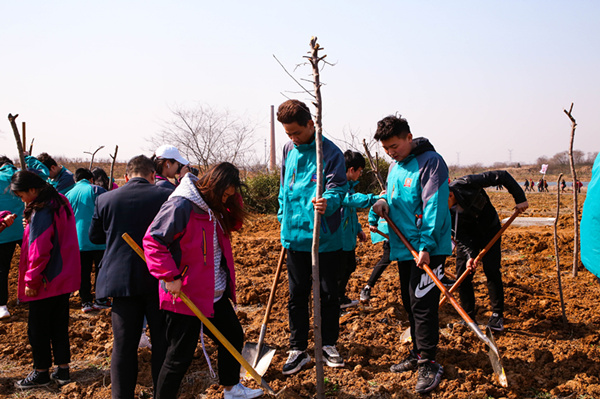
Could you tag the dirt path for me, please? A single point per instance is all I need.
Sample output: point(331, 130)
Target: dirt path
point(542, 357)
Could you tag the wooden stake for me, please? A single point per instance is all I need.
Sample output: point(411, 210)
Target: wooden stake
point(575, 189)
point(12, 119)
point(24, 140)
point(560, 292)
point(112, 168)
point(93, 154)
point(314, 61)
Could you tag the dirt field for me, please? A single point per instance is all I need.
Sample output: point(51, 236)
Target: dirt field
point(543, 357)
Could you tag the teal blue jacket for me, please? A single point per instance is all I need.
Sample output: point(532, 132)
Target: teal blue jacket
point(417, 194)
point(82, 197)
point(381, 224)
point(298, 186)
point(350, 224)
point(10, 202)
point(590, 223)
point(64, 181)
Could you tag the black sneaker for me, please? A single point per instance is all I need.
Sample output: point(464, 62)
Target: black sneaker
point(103, 303)
point(448, 282)
point(35, 379)
point(295, 361)
point(408, 364)
point(332, 357)
point(61, 376)
point(346, 302)
point(87, 307)
point(496, 322)
point(430, 374)
point(365, 294)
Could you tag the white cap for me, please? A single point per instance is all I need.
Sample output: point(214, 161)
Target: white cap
point(170, 152)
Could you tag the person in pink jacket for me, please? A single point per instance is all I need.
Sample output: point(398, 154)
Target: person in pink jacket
point(187, 246)
point(49, 270)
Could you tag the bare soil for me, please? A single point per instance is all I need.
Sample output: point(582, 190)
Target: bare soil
point(543, 357)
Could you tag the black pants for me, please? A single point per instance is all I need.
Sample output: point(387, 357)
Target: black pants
point(182, 337)
point(48, 331)
point(383, 263)
point(348, 266)
point(491, 267)
point(88, 260)
point(127, 320)
point(420, 297)
point(7, 251)
point(299, 266)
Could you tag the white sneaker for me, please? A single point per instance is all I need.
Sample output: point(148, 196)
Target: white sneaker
point(241, 392)
point(4, 313)
point(144, 341)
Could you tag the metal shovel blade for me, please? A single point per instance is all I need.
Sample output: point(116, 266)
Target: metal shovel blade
point(495, 360)
point(263, 360)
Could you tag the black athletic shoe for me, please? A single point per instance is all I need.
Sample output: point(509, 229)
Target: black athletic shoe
point(35, 379)
point(332, 357)
point(408, 364)
point(295, 361)
point(61, 376)
point(430, 374)
point(365, 294)
point(496, 322)
point(346, 302)
point(448, 282)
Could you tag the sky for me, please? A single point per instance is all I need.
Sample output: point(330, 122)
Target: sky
point(484, 81)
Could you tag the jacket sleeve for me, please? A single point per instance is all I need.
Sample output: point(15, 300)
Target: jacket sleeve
point(359, 200)
point(41, 234)
point(498, 178)
point(168, 225)
point(336, 183)
point(96, 234)
point(373, 218)
point(281, 183)
point(434, 195)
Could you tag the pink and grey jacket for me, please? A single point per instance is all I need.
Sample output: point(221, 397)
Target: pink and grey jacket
point(50, 260)
point(180, 242)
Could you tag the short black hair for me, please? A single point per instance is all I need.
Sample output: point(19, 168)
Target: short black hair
point(83, 173)
point(100, 177)
point(391, 126)
point(140, 165)
point(294, 111)
point(354, 160)
point(5, 160)
point(47, 160)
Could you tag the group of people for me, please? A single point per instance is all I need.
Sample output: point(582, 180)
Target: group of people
point(184, 227)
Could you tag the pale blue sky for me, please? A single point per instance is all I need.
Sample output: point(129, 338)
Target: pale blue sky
point(479, 78)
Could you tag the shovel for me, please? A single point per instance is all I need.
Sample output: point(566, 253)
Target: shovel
point(258, 354)
point(492, 348)
point(207, 323)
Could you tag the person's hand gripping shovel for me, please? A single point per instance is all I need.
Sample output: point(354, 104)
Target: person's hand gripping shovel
point(258, 354)
point(207, 323)
point(492, 348)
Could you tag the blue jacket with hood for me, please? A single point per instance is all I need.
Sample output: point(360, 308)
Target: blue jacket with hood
point(417, 194)
point(298, 186)
point(590, 223)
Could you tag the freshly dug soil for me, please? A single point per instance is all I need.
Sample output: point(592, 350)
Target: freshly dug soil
point(543, 356)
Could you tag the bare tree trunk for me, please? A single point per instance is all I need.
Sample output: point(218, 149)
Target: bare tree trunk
point(560, 291)
point(374, 166)
point(575, 189)
point(93, 154)
point(112, 168)
point(314, 61)
point(13, 124)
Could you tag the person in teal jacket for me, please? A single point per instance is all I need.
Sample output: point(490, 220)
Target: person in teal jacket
point(13, 234)
point(59, 177)
point(416, 200)
point(82, 197)
point(590, 223)
point(351, 228)
point(297, 203)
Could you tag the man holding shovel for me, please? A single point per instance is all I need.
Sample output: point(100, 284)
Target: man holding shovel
point(416, 201)
point(296, 202)
point(476, 222)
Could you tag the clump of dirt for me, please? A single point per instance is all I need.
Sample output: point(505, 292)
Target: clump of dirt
point(542, 355)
